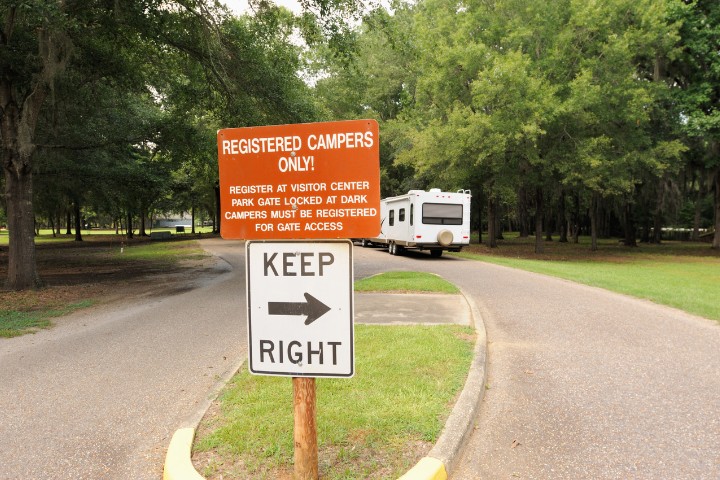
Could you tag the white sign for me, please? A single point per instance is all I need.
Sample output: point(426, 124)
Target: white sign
point(300, 308)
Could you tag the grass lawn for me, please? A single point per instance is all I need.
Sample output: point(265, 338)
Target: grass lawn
point(377, 424)
point(23, 319)
point(683, 275)
point(47, 237)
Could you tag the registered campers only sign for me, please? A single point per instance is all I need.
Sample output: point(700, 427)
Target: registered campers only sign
point(302, 181)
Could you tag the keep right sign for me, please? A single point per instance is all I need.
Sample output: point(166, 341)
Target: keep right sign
point(300, 308)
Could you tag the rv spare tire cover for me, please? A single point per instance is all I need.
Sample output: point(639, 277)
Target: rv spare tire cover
point(445, 237)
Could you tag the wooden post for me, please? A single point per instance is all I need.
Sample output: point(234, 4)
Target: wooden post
point(306, 450)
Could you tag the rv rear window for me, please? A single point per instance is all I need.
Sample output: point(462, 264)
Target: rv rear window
point(442, 214)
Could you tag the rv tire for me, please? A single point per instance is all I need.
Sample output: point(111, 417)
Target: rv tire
point(436, 252)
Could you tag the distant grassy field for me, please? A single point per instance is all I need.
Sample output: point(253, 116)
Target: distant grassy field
point(46, 235)
point(683, 275)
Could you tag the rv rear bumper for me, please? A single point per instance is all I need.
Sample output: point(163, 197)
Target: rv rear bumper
point(453, 247)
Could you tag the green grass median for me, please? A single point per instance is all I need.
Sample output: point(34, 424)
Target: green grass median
point(376, 425)
point(405, 282)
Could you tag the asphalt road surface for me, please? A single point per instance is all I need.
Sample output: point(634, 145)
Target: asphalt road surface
point(583, 384)
point(100, 395)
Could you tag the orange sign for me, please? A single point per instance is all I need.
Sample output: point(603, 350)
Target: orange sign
point(309, 180)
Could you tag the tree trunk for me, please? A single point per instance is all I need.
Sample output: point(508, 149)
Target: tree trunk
point(68, 223)
point(129, 225)
point(22, 268)
point(630, 240)
point(498, 222)
point(143, 217)
point(78, 226)
point(539, 244)
point(192, 214)
point(562, 219)
point(218, 212)
point(716, 238)
point(697, 217)
point(593, 222)
point(16, 131)
point(576, 219)
point(657, 228)
point(658, 213)
point(492, 223)
point(523, 213)
point(479, 222)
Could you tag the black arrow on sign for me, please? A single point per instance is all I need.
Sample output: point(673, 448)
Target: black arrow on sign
point(312, 307)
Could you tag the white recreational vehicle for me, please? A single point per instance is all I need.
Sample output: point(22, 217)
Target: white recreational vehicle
point(432, 220)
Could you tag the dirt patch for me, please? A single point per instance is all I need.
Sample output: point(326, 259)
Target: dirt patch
point(96, 270)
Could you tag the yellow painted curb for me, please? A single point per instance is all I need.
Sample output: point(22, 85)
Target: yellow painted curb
point(426, 469)
point(178, 465)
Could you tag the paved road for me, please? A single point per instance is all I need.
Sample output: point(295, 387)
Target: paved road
point(99, 395)
point(586, 384)
point(582, 383)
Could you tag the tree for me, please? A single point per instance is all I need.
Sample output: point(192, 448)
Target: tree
point(151, 49)
point(696, 73)
point(35, 51)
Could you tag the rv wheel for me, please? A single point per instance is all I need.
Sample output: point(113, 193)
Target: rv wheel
point(391, 248)
point(365, 243)
point(436, 253)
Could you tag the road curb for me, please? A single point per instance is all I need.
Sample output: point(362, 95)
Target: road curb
point(178, 465)
point(459, 425)
point(426, 469)
point(442, 458)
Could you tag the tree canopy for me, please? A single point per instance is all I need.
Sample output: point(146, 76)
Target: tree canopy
point(611, 106)
point(563, 116)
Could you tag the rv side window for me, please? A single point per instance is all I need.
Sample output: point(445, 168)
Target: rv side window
point(442, 214)
point(411, 213)
point(401, 215)
point(391, 219)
